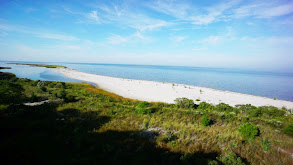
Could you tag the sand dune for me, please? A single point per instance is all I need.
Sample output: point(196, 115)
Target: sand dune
point(167, 92)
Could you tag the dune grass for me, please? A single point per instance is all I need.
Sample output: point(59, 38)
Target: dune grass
point(86, 125)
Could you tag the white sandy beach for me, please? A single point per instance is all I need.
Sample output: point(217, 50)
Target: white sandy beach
point(167, 92)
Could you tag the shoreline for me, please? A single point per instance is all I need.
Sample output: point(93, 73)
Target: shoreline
point(154, 91)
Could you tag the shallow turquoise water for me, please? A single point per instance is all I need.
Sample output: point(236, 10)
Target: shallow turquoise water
point(35, 73)
point(268, 84)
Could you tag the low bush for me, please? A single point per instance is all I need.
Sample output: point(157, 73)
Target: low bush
point(275, 123)
point(34, 82)
point(33, 98)
point(184, 102)
point(245, 108)
point(143, 108)
point(10, 93)
point(224, 107)
point(44, 89)
point(289, 129)
point(227, 116)
point(70, 98)
point(206, 121)
point(60, 85)
point(231, 159)
point(205, 106)
point(271, 111)
point(41, 84)
point(268, 111)
point(62, 94)
point(248, 131)
point(258, 112)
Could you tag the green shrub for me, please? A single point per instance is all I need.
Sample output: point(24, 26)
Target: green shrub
point(8, 76)
point(184, 102)
point(34, 83)
point(213, 162)
point(41, 84)
point(143, 108)
point(227, 116)
point(55, 95)
point(266, 145)
point(289, 129)
point(62, 94)
point(205, 106)
point(70, 98)
point(51, 85)
point(271, 111)
point(44, 89)
point(206, 121)
point(231, 159)
point(60, 85)
point(10, 93)
point(33, 97)
point(248, 131)
point(245, 108)
point(258, 112)
point(275, 123)
point(224, 107)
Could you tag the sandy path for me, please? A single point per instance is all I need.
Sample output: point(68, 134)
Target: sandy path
point(167, 92)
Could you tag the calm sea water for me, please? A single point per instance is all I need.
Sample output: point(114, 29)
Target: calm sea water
point(268, 84)
point(35, 73)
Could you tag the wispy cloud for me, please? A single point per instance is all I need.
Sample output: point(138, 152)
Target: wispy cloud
point(36, 32)
point(190, 13)
point(117, 39)
point(211, 39)
point(121, 16)
point(178, 38)
point(178, 10)
point(133, 38)
point(93, 15)
point(56, 36)
point(227, 10)
point(143, 26)
point(228, 35)
point(264, 10)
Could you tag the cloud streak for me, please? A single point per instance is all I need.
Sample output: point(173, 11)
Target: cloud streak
point(94, 15)
point(263, 10)
point(35, 32)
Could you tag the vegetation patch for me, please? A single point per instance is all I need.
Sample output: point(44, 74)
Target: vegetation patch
point(231, 159)
point(184, 102)
point(143, 108)
point(248, 131)
point(80, 124)
point(5, 67)
point(205, 106)
point(289, 129)
point(40, 65)
point(206, 121)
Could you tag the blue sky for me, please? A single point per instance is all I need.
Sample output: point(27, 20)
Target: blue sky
point(232, 33)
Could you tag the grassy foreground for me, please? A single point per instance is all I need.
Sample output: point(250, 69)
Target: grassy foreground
point(85, 125)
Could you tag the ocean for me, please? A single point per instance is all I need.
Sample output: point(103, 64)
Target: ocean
point(266, 84)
